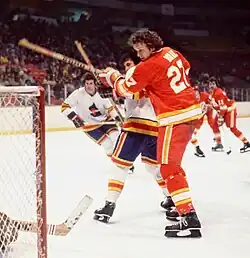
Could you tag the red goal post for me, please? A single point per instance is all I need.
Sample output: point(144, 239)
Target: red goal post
point(23, 169)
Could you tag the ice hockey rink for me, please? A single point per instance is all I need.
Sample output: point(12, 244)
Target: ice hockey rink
point(220, 187)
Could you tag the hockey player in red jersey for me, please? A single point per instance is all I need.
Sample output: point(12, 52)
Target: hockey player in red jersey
point(207, 109)
point(138, 137)
point(226, 112)
point(163, 75)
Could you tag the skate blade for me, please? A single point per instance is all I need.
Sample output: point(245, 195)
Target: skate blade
point(200, 156)
point(217, 150)
point(101, 218)
point(187, 233)
point(175, 219)
point(243, 151)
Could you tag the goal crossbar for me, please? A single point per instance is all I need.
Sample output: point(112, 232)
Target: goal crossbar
point(34, 90)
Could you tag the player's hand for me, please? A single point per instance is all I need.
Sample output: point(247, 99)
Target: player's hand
point(220, 121)
point(118, 121)
point(109, 76)
point(78, 122)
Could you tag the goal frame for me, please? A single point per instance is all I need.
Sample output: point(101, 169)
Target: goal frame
point(41, 202)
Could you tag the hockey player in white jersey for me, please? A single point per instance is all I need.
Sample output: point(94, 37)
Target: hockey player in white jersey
point(87, 110)
point(138, 136)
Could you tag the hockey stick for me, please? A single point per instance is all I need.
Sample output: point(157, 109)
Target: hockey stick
point(103, 123)
point(25, 43)
point(95, 72)
point(62, 229)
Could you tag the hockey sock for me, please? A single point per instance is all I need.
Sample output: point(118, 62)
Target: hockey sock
point(116, 183)
point(155, 171)
point(177, 187)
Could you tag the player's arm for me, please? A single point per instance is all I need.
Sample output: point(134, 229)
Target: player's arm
point(68, 111)
point(111, 112)
point(136, 79)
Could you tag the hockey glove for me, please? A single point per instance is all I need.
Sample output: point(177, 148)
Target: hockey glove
point(78, 122)
point(109, 76)
point(220, 121)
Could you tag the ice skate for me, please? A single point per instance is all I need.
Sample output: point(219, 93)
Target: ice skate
point(189, 226)
point(245, 148)
point(167, 203)
point(218, 147)
point(172, 214)
point(199, 152)
point(104, 214)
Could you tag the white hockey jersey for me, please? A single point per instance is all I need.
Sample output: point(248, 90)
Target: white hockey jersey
point(91, 109)
point(140, 116)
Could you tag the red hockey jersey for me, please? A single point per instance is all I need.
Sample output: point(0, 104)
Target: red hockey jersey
point(164, 76)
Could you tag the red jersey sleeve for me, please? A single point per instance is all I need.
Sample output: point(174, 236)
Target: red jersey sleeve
point(136, 79)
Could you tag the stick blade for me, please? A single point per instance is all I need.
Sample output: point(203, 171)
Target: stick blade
point(76, 214)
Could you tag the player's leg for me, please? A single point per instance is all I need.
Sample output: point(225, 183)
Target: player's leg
point(149, 158)
point(99, 136)
point(112, 133)
point(127, 149)
point(230, 121)
point(214, 126)
point(194, 140)
point(213, 123)
point(172, 142)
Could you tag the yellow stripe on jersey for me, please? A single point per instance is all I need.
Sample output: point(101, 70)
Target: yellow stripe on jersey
point(64, 106)
point(142, 126)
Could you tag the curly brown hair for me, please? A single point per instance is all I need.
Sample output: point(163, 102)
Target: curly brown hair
point(150, 38)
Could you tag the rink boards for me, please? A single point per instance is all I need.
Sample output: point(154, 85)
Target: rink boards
point(18, 120)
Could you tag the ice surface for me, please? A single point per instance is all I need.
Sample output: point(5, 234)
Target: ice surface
point(220, 189)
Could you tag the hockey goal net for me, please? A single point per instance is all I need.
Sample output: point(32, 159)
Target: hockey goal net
point(22, 173)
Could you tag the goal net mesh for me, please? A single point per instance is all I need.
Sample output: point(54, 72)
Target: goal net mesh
point(21, 173)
